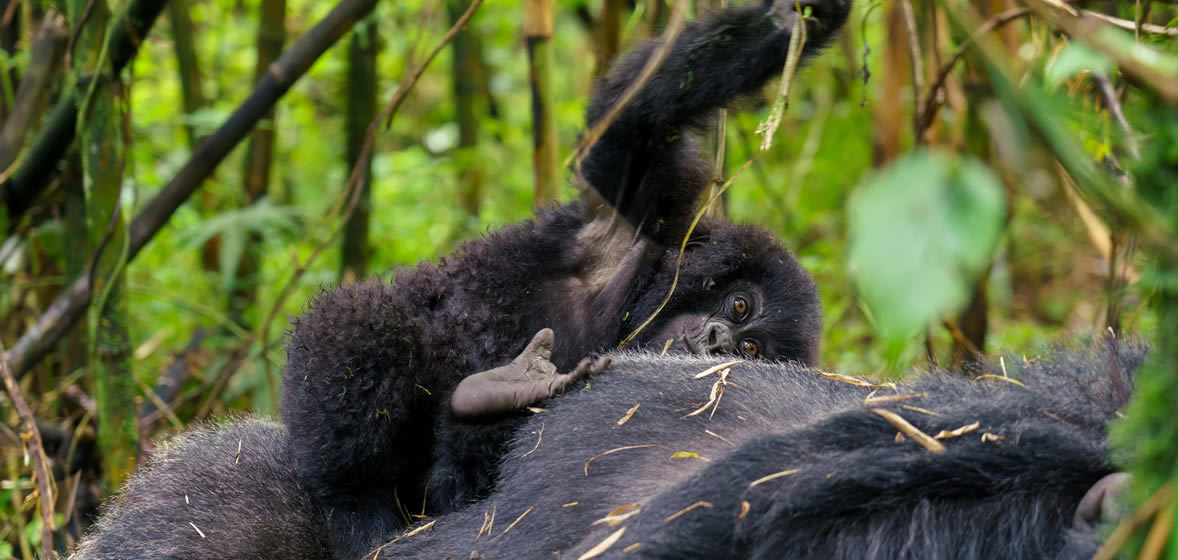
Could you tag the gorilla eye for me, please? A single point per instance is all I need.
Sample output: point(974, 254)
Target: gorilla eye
point(749, 347)
point(740, 306)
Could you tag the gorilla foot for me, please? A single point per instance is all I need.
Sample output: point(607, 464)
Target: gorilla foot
point(530, 378)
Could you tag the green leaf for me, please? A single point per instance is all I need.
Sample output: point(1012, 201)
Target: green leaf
point(921, 231)
point(262, 217)
point(1073, 59)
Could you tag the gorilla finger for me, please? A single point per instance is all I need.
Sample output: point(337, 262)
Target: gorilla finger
point(600, 365)
point(541, 344)
point(584, 368)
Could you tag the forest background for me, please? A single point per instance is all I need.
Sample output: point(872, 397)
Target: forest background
point(964, 179)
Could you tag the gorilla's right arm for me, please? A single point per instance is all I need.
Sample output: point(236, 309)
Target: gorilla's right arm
point(647, 164)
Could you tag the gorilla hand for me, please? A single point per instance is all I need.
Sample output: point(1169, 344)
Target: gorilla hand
point(530, 378)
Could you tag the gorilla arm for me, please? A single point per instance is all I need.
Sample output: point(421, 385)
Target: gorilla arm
point(645, 164)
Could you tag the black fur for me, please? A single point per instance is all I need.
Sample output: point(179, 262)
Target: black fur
point(216, 492)
point(856, 492)
point(371, 367)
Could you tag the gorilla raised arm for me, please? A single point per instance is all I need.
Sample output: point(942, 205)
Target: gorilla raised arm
point(786, 463)
point(372, 368)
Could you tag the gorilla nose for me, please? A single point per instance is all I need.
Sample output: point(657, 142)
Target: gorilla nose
point(718, 338)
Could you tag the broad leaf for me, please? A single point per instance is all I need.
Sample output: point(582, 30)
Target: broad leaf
point(921, 231)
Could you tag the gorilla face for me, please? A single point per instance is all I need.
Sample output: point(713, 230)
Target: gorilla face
point(734, 322)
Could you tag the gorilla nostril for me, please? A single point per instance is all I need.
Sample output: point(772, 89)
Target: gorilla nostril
point(712, 336)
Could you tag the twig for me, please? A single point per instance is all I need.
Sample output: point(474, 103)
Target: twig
point(424, 21)
point(866, 50)
point(352, 195)
point(9, 13)
point(773, 476)
point(516, 522)
point(72, 302)
point(1111, 102)
point(721, 133)
point(615, 450)
point(40, 461)
point(917, 67)
point(1147, 28)
point(911, 431)
point(793, 58)
point(76, 394)
point(929, 107)
point(77, 31)
point(1159, 534)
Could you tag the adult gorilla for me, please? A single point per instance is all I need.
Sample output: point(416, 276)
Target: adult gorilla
point(794, 463)
point(786, 463)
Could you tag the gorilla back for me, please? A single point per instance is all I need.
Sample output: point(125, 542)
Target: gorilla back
point(783, 462)
point(216, 492)
point(788, 462)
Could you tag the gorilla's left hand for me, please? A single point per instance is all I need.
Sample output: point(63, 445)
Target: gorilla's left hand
point(530, 378)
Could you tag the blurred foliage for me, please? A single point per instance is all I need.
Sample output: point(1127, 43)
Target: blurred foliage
point(896, 247)
point(921, 232)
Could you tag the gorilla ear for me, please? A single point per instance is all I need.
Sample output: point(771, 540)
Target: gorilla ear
point(1106, 501)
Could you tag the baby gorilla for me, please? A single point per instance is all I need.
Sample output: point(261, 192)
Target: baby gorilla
point(375, 370)
point(676, 458)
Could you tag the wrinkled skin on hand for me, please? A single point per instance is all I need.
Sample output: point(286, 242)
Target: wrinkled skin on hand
point(530, 378)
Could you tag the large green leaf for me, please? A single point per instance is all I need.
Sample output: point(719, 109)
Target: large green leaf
point(921, 231)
